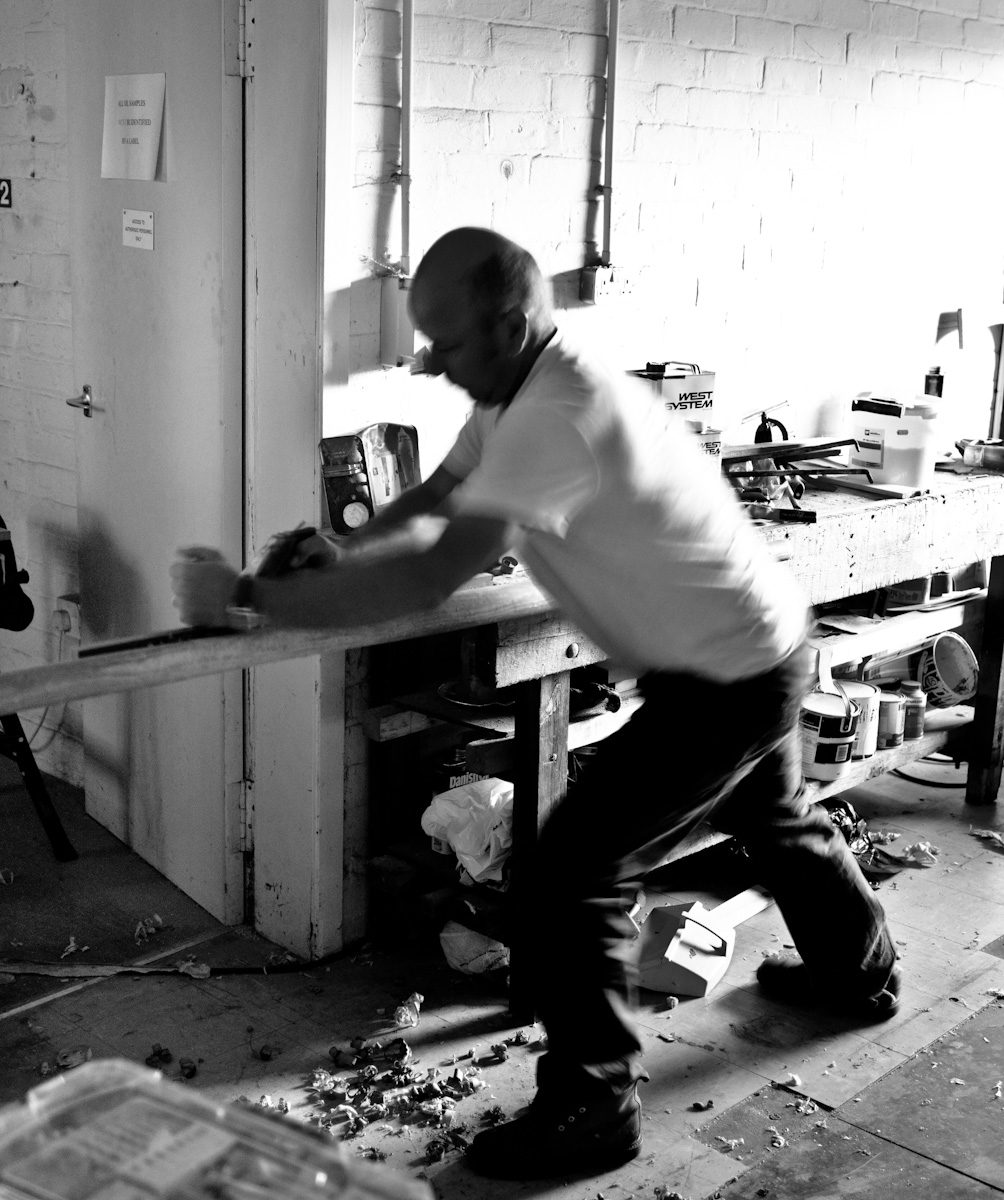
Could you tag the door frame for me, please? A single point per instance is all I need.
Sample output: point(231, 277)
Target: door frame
point(294, 716)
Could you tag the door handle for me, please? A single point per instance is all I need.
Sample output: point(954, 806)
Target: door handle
point(85, 401)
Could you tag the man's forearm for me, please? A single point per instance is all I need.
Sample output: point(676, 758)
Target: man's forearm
point(391, 519)
point(358, 591)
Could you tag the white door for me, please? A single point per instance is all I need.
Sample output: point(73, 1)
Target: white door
point(157, 336)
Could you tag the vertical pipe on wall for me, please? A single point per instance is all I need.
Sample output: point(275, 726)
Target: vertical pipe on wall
point(407, 58)
point(613, 25)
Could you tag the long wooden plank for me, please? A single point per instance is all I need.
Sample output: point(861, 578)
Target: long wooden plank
point(900, 633)
point(855, 546)
point(123, 671)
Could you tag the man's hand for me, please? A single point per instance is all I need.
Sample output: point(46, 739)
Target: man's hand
point(320, 550)
point(203, 584)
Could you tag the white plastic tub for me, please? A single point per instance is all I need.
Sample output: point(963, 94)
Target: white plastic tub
point(895, 442)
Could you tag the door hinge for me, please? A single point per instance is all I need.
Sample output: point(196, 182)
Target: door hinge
point(238, 37)
point(246, 811)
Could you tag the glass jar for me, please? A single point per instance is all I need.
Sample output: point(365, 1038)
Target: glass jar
point(892, 714)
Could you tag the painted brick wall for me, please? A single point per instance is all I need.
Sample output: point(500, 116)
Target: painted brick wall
point(37, 436)
point(800, 186)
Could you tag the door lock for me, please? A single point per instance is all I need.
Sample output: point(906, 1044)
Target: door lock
point(85, 401)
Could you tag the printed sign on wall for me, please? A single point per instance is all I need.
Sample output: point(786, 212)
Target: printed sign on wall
point(134, 119)
point(137, 229)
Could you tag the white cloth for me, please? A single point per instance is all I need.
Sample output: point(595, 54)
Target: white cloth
point(626, 523)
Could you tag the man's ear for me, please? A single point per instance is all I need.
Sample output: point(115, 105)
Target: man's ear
point(517, 330)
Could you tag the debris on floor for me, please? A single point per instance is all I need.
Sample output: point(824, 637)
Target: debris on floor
point(406, 1015)
point(376, 1082)
point(922, 853)
point(72, 947)
point(159, 1056)
point(989, 835)
point(265, 1051)
point(866, 845)
point(146, 928)
point(66, 1060)
point(471, 952)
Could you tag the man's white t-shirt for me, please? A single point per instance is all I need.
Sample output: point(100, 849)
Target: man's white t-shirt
point(626, 523)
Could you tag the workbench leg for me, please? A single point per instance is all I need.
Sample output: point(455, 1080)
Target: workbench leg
point(540, 780)
point(986, 753)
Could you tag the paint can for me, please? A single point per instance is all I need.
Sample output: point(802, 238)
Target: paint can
point(892, 718)
point(866, 697)
point(948, 671)
point(828, 724)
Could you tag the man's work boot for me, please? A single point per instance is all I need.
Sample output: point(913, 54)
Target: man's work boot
point(577, 1124)
point(788, 980)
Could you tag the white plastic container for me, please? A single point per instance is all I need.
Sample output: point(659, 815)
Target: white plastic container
point(895, 442)
point(111, 1128)
point(685, 389)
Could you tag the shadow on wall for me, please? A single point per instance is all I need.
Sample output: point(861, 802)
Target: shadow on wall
point(114, 602)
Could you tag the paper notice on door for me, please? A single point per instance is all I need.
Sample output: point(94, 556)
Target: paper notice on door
point(134, 119)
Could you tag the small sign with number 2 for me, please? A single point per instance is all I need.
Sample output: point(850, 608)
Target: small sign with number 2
point(6, 199)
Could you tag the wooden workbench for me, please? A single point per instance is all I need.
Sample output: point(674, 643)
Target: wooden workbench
point(855, 546)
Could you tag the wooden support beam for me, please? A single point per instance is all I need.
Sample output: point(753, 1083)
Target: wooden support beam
point(986, 750)
point(540, 780)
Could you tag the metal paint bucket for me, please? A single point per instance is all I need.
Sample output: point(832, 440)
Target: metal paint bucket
point(948, 671)
point(828, 725)
point(866, 697)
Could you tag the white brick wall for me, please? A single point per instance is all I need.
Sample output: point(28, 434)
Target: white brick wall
point(37, 445)
point(800, 186)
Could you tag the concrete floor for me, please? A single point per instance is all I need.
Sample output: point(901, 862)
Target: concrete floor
point(745, 1099)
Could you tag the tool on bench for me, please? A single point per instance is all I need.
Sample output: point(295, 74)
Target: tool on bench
point(274, 560)
point(790, 459)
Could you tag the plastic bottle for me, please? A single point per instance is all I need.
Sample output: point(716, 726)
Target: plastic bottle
point(915, 706)
point(934, 381)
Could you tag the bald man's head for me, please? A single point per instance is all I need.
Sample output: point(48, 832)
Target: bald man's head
point(483, 302)
point(484, 270)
